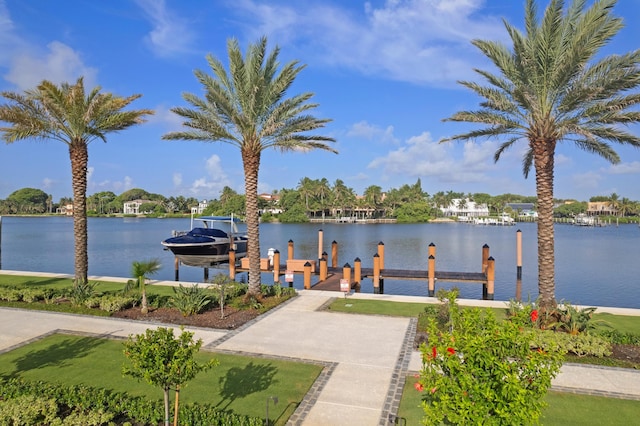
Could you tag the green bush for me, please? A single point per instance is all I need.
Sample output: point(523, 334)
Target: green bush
point(619, 338)
point(91, 404)
point(483, 371)
point(29, 409)
point(577, 344)
point(189, 300)
point(115, 303)
point(80, 293)
point(10, 294)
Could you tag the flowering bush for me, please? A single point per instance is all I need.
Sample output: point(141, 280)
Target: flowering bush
point(484, 371)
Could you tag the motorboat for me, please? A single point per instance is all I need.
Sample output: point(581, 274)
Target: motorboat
point(208, 243)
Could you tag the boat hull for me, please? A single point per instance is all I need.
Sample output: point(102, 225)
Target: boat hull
point(204, 247)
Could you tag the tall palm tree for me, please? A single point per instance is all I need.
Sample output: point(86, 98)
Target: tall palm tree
point(246, 107)
point(141, 272)
point(66, 114)
point(554, 87)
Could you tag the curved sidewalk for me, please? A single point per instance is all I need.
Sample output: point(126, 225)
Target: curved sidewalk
point(366, 357)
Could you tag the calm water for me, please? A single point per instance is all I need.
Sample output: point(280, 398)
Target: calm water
point(594, 266)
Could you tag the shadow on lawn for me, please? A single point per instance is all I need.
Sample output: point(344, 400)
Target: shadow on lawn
point(56, 355)
point(241, 382)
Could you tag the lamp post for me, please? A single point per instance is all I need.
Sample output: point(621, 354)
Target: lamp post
point(275, 402)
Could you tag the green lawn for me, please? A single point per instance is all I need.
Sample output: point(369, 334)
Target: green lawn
point(241, 384)
point(61, 283)
point(563, 409)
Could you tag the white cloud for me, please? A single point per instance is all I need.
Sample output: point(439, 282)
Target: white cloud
point(170, 34)
point(419, 41)
point(163, 115)
point(212, 185)
point(47, 183)
point(177, 179)
point(625, 168)
point(372, 132)
point(60, 63)
point(421, 156)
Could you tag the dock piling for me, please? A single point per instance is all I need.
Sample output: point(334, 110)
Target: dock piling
point(491, 277)
point(334, 254)
point(357, 273)
point(376, 273)
point(307, 276)
point(276, 266)
point(432, 275)
point(381, 254)
point(519, 254)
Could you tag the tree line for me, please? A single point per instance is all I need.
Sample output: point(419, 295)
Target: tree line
point(311, 198)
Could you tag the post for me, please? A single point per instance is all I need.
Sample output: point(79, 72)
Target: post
point(276, 266)
point(519, 254)
point(376, 273)
point(334, 254)
point(432, 275)
point(320, 237)
point(491, 276)
point(357, 273)
point(206, 275)
point(485, 256)
point(232, 264)
point(322, 266)
point(176, 268)
point(381, 254)
point(432, 250)
point(346, 273)
point(290, 250)
point(307, 276)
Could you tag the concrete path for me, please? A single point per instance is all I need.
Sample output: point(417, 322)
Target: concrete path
point(366, 357)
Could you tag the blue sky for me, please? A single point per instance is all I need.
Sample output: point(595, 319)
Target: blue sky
point(385, 72)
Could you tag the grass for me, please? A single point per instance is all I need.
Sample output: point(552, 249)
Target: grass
point(562, 409)
point(62, 283)
point(241, 384)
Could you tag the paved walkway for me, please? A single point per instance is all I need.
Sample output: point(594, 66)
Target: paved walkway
point(366, 357)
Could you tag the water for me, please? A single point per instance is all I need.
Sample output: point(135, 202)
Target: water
point(594, 266)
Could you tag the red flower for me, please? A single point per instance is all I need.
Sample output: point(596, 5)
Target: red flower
point(433, 390)
point(418, 386)
point(451, 351)
point(534, 315)
point(434, 352)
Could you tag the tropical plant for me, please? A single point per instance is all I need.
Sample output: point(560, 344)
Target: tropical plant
point(162, 360)
point(189, 300)
point(553, 86)
point(64, 113)
point(483, 371)
point(247, 108)
point(141, 271)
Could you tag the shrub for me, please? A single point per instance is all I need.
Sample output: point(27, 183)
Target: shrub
point(10, 294)
point(82, 291)
point(29, 410)
point(189, 300)
point(583, 344)
point(482, 370)
point(115, 303)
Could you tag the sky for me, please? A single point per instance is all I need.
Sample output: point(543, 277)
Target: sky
point(384, 72)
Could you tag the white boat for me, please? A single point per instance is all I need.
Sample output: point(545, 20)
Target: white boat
point(584, 220)
point(208, 243)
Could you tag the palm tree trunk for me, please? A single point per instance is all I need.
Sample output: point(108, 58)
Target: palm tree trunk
point(79, 155)
point(251, 163)
point(543, 160)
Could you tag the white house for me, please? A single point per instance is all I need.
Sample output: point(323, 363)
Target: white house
point(132, 207)
point(466, 207)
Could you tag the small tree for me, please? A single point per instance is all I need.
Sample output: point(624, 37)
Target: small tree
point(141, 270)
point(478, 370)
point(221, 281)
point(160, 359)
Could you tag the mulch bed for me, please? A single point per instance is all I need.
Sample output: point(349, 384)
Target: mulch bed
point(233, 317)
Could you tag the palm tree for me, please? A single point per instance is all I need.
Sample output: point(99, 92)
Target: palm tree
point(141, 272)
point(551, 88)
point(64, 113)
point(247, 108)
